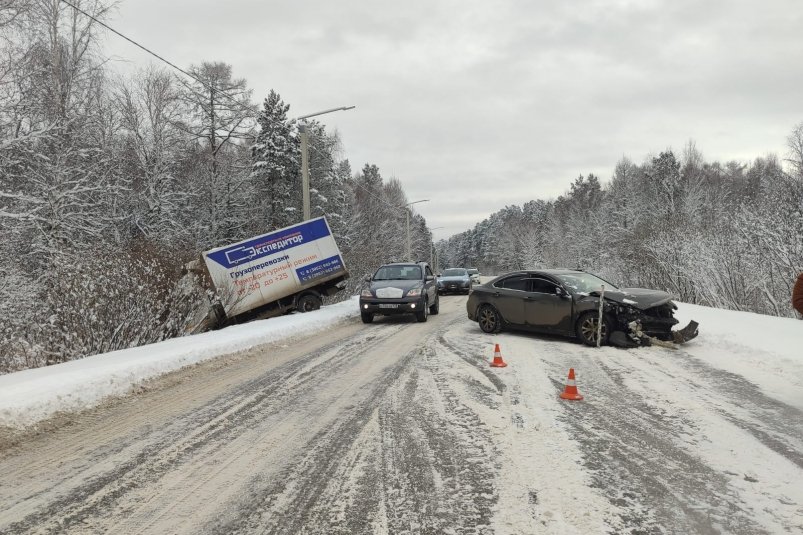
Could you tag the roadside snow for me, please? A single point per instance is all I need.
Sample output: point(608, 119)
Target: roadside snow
point(766, 350)
point(29, 396)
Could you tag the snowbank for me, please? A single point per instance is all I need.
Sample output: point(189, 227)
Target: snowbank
point(29, 396)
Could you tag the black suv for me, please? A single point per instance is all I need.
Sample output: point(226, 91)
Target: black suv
point(400, 288)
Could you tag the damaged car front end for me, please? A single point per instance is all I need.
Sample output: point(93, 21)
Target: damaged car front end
point(635, 317)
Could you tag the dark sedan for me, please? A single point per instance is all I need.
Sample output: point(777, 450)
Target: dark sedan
point(566, 302)
point(454, 280)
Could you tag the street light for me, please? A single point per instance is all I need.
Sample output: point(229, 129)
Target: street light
point(407, 216)
point(305, 155)
point(434, 251)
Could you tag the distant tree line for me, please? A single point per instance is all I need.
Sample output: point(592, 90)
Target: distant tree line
point(724, 235)
point(109, 185)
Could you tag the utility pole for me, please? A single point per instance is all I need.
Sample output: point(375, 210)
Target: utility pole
point(302, 128)
point(407, 219)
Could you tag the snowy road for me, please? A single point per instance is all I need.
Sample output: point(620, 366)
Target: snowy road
point(402, 427)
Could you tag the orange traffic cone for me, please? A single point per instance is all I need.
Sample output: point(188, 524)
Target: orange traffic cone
point(570, 392)
point(498, 362)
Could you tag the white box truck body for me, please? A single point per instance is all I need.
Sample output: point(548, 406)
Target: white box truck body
point(276, 272)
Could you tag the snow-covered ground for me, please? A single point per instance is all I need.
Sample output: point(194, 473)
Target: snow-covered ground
point(383, 418)
point(766, 350)
point(29, 396)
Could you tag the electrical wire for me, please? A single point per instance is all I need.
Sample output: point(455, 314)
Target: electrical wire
point(160, 58)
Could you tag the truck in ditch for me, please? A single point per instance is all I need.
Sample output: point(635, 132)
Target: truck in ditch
point(269, 275)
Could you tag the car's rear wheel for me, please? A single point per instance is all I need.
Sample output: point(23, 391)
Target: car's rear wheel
point(587, 328)
point(421, 315)
point(367, 317)
point(489, 319)
point(436, 307)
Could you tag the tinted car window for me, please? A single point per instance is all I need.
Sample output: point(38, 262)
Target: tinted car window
point(454, 272)
point(410, 273)
point(543, 286)
point(584, 282)
point(515, 283)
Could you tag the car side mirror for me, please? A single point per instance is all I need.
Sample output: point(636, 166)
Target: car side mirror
point(439, 275)
point(561, 292)
point(368, 278)
point(430, 278)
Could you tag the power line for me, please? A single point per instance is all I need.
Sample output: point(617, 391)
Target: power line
point(210, 88)
point(152, 53)
point(160, 58)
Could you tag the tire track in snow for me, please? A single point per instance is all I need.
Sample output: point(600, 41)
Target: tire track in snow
point(634, 459)
point(204, 430)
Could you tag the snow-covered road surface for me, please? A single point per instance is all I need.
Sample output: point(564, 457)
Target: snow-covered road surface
point(402, 427)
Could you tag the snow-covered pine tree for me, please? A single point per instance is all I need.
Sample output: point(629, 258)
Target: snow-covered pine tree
point(275, 165)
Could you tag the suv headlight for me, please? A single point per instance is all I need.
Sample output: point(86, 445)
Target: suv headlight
point(414, 292)
point(366, 293)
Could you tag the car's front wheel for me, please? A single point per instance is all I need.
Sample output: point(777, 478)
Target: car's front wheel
point(421, 315)
point(489, 319)
point(436, 307)
point(587, 328)
point(367, 317)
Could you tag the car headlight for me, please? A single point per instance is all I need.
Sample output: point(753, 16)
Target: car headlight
point(366, 293)
point(414, 292)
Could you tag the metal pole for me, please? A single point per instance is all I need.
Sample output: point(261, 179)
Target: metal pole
point(407, 218)
point(305, 171)
point(302, 128)
point(599, 320)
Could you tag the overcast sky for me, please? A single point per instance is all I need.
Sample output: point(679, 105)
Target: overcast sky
point(477, 105)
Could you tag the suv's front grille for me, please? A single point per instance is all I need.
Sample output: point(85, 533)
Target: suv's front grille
point(390, 293)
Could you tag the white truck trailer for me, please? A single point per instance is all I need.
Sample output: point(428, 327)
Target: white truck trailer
point(272, 274)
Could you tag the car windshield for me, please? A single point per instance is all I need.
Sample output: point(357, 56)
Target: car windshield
point(388, 273)
point(454, 272)
point(584, 282)
point(472, 271)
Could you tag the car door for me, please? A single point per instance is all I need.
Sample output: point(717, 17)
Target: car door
point(547, 309)
point(431, 285)
point(508, 297)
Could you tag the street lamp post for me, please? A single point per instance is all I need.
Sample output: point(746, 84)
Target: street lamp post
point(434, 251)
point(407, 217)
point(302, 128)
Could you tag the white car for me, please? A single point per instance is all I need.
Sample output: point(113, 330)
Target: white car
point(474, 274)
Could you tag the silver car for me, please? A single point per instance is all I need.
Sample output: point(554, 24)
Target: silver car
point(474, 273)
point(454, 280)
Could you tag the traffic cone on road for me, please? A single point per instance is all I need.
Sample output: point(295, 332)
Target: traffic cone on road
point(498, 362)
point(570, 392)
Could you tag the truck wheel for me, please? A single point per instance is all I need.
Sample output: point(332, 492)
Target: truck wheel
point(308, 303)
point(422, 315)
point(435, 308)
point(586, 328)
point(367, 317)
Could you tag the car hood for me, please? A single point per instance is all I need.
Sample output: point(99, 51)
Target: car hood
point(455, 278)
point(403, 284)
point(640, 298)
